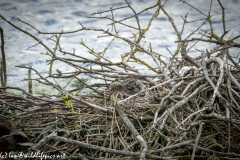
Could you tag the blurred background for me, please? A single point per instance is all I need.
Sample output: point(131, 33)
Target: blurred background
point(58, 15)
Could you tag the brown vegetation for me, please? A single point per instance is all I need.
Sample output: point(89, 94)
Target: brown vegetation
point(191, 106)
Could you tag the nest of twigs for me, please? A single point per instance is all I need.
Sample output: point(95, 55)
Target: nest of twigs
point(198, 110)
point(190, 108)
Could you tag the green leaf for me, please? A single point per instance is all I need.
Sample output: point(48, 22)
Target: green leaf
point(68, 102)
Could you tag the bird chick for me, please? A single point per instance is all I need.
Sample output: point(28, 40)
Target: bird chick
point(128, 87)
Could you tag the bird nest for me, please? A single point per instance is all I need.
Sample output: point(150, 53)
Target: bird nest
point(190, 106)
point(170, 124)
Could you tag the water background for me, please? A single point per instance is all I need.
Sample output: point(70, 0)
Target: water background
point(58, 15)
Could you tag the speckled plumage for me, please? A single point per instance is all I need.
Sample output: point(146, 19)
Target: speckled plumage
point(128, 86)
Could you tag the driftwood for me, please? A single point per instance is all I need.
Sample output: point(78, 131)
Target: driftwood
point(191, 106)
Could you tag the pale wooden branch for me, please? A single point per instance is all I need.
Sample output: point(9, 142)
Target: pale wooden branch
point(131, 127)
